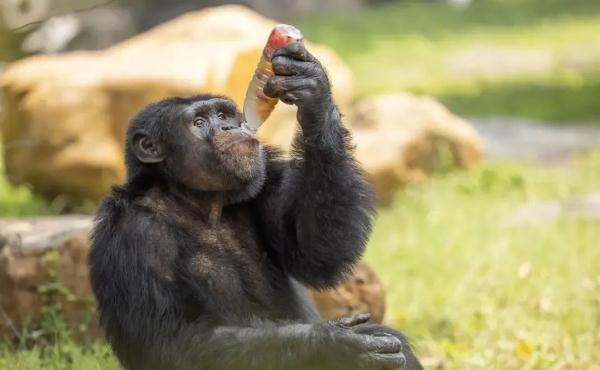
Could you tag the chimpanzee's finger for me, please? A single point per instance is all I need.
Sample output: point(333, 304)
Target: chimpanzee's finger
point(286, 66)
point(289, 98)
point(356, 319)
point(273, 87)
point(369, 343)
point(279, 86)
point(295, 50)
point(395, 361)
point(295, 96)
point(382, 343)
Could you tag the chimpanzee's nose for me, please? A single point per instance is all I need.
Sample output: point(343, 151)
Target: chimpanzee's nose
point(227, 127)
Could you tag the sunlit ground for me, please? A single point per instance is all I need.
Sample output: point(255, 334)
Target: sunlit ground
point(479, 293)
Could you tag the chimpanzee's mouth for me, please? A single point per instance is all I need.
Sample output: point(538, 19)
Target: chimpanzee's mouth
point(242, 140)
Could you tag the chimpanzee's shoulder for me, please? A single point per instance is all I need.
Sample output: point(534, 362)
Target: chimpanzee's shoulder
point(276, 163)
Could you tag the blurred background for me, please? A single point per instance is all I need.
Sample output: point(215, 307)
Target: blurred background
point(478, 122)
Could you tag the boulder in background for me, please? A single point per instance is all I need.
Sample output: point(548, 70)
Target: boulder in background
point(400, 139)
point(65, 115)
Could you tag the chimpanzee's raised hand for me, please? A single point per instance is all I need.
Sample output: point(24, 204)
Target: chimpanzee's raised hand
point(300, 80)
point(360, 351)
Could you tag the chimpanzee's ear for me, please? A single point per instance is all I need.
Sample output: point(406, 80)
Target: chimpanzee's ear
point(146, 150)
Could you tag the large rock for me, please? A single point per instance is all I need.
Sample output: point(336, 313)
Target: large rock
point(65, 115)
point(43, 263)
point(401, 138)
point(362, 292)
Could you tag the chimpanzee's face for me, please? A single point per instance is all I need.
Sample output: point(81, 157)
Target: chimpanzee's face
point(211, 149)
point(200, 142)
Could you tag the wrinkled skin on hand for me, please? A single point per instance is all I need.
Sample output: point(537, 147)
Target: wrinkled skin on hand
point(301, 80)
point(340, 342)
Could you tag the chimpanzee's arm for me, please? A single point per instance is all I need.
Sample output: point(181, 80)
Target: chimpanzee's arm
point(328, 345)
point(322, 207)
point(210, 343)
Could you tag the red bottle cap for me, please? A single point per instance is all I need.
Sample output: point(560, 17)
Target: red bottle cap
point(281, 35)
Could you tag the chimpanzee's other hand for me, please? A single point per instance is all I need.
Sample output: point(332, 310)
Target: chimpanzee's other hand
point(377, 352)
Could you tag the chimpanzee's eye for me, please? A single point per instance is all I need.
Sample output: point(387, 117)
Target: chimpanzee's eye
point(199, 121)
point(221, 116)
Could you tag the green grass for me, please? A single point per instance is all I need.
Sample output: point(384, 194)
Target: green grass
point(553, 101)
point(62, 356)
point(408, 46)
point(20, 200)
point(479, 294)
point(472, 291)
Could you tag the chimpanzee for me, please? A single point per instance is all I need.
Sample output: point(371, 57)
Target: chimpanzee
point(201, 258)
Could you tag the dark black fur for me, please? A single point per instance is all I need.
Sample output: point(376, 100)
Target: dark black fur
point(186, 279)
